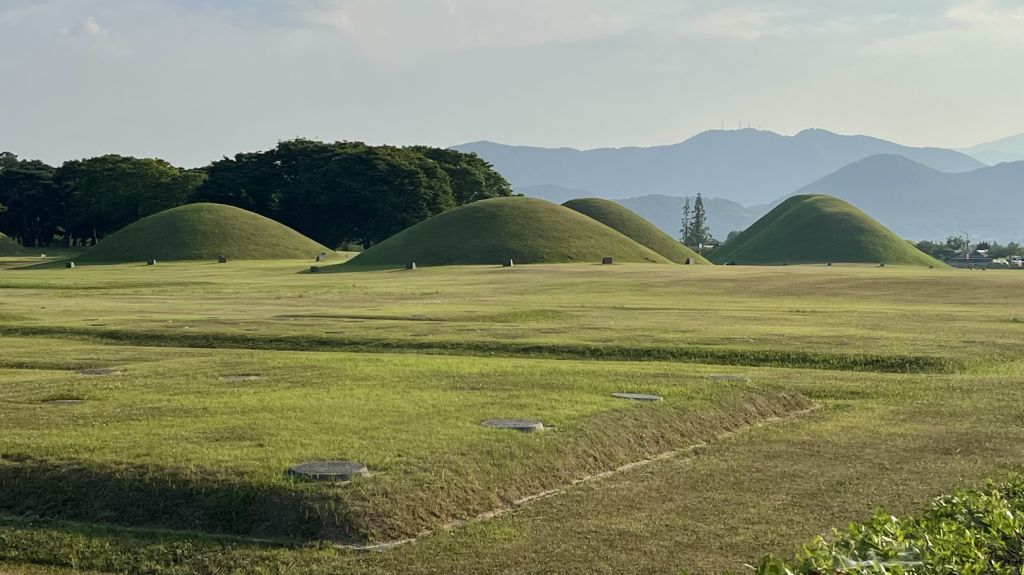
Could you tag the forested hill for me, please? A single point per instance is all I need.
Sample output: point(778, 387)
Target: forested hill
point(332, 192)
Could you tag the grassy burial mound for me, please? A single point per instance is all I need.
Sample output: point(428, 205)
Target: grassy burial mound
point(819, 229)
point(201, 232)
point(525, 230)
point(9, 247)
point(633, 226)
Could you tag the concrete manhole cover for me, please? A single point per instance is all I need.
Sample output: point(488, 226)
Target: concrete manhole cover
point(637, 396)
point(329, 470)
point(524, 425)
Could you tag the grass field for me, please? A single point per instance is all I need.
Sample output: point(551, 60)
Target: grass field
point(861, 386)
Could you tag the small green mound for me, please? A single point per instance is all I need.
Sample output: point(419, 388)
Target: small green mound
point(525, 230)
point(631, 225)
point(819, 229)
point(9, 247)
point(203, 232)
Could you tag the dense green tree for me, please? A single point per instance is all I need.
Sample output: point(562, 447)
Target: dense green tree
point(938, 250)
point(347, 191)
point(471, 177)
point(27, 191)
point(956, 243)
point(334, 192)
point(8, 160)
point(684, 230)
point(699, 233)
point(998, 250)
point(106, 193)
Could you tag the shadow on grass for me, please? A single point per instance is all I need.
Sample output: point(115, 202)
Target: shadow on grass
point(153, 496)
point(337, 342)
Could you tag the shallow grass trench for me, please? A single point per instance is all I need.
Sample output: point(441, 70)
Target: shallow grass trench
point(894, 363)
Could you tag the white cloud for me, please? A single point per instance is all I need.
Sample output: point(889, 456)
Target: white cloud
point(90, 27)
point(984, 13)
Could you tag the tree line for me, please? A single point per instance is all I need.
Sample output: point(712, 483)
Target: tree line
point(957, 246)
point(335, 193)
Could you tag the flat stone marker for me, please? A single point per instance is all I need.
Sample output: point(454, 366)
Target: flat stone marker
point(637, 396)
point(524, 425)
point(329, 470)
point(241, 377)
point(99, 371)
point(64, 401)
point(728, 378)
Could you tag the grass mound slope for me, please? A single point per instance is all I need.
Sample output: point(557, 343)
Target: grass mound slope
point(9, 247)
point(201, 232)
point(819, 229)
point(633, 226)
point(525, 230)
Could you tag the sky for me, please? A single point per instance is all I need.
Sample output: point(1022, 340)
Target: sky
point(192, 81)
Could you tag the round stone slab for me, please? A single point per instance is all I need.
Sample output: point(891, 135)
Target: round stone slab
point(98, 371)
point(637, 396)
point(524, 425)
point(729, 378)
point(329, 470)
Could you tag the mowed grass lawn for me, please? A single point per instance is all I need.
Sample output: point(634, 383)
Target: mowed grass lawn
point(400, 380)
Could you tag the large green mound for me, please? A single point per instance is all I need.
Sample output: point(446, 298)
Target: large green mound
point(200, 232)
point(818, 229)
point(525, 230)
point(9, 247)
point(631, 225)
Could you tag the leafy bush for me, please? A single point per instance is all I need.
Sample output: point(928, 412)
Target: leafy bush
point(970, 532)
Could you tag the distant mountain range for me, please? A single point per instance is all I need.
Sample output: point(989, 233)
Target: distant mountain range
point(913, 200)
point(748, 166)
point(998, 151)
point(920, 193)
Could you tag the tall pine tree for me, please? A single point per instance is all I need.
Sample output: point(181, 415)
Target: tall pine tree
point(699, 233)
point(684, 232)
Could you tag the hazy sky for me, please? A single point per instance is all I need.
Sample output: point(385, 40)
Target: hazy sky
point(192, 80)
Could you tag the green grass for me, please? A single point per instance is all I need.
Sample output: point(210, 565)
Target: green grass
point(203, 232)
point(631, 225)
point(166, 468)
point(9, 247)
point(131, 438)
point(819, 229)
point(525, 230)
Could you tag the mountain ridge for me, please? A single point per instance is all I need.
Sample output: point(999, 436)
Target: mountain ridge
point(747, 166)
